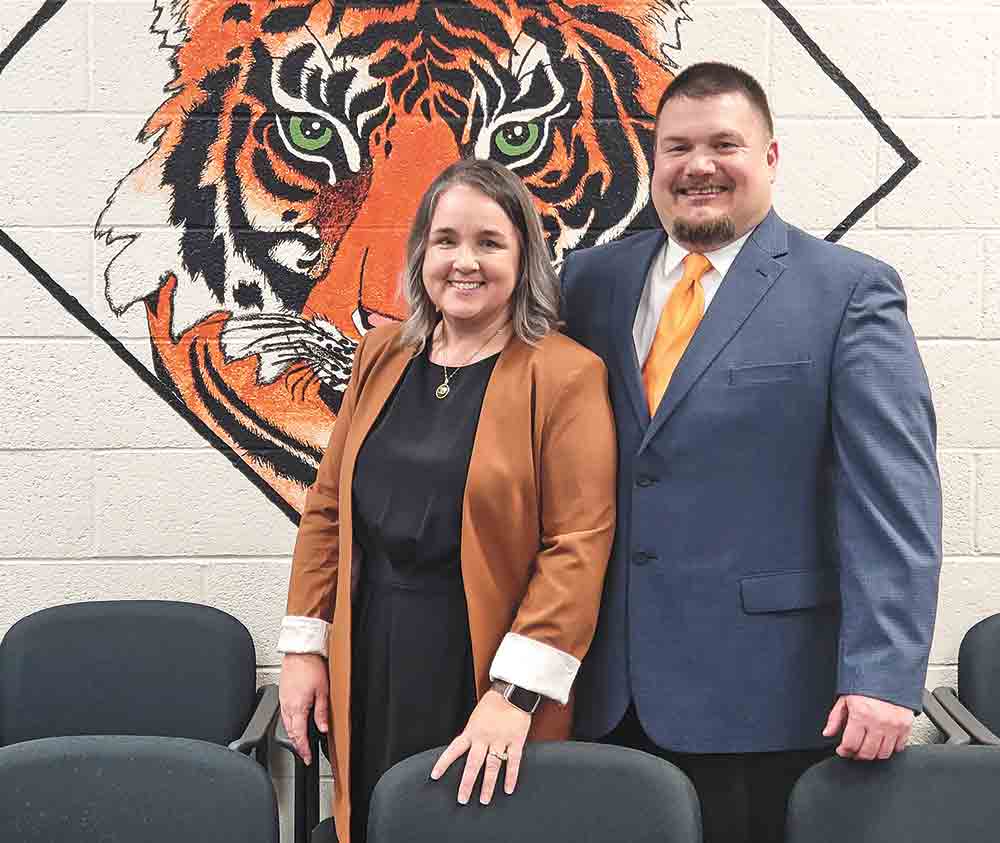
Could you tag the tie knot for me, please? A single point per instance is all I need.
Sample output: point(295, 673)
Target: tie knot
point(695, 265)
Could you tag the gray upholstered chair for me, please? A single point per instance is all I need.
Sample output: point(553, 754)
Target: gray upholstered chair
point(926, 794)
point(134, 667)
point(96, 788)
point(567, 792)
point(975, 706)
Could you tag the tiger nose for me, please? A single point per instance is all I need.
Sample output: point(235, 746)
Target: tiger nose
point(364, 280)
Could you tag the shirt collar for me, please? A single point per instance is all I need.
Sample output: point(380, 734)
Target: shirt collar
point(721, 259)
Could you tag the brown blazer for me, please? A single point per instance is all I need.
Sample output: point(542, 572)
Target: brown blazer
point(537, 521)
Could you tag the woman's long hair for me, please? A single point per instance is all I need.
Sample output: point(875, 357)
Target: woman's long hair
point(535, 300)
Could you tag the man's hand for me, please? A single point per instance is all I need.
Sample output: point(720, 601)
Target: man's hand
point(871, 728)
point(303, 687)
point(495, 728)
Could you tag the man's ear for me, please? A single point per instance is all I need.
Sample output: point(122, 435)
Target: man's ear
point(772, 157)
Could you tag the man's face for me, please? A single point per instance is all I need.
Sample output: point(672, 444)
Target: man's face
point(713, 168)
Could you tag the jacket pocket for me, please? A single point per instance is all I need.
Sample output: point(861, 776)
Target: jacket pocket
point(786, 591)
point(760, 373)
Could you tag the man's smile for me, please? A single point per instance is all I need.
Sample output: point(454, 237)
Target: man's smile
point(704, 192)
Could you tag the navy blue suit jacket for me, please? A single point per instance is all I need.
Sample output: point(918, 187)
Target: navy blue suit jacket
point(779, 519)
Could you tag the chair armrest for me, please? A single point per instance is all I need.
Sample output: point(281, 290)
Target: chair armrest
point(955, 735)
point(280, 734)
point(964, 718)
point(259, 727)
point(281, 737)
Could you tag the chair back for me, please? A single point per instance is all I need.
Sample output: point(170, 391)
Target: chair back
point(567, 792)
point(926, 794)
point(127, 667)
point(93, 789)
point(979, 672)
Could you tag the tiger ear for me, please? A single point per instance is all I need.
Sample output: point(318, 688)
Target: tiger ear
point(175, 19)
point(659, 24)
point(656, 25)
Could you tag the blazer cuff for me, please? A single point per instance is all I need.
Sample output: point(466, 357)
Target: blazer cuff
point(535, 666)
point(912, 702)
point(303, 635)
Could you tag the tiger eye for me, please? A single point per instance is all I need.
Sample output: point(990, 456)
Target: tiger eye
point(516, 140)
point(309, 133)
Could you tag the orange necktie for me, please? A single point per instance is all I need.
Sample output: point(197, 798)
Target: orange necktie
point(681, 315)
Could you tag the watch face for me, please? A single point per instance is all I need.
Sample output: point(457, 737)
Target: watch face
point(525, 700)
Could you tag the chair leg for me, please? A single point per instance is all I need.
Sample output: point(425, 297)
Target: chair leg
point(302, 829)
point(305, 802)
point(312, 794)
point(306, 798)
point(312, 777)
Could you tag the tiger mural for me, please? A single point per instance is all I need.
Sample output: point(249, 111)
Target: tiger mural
point(264, 233)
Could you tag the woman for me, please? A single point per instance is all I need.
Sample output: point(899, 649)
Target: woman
point(461, 520)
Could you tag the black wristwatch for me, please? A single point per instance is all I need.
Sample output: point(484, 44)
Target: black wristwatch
point(525, 700)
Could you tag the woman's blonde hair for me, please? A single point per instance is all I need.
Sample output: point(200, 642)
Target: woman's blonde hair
point(535, 300)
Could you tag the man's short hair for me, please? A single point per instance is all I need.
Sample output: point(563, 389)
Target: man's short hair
point(711, 79)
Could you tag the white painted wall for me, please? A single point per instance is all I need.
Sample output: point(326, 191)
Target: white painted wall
point(109, 494)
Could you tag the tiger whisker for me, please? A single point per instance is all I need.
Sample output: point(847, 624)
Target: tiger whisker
point(273, 342)
point(252, 322)
point(304, 383)
point(322, 49)
point(340, 32)
point(296, 378)
point(273, 332)
point(512, 50)
point(536, 67)
point(524, 58)
point(293, 371)
point(293, 385)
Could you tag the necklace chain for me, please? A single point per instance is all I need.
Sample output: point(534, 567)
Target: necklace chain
point(445, 386)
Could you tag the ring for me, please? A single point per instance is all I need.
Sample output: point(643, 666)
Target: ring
point(500, 755)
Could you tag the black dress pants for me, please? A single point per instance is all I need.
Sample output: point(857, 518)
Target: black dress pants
point(744, 796)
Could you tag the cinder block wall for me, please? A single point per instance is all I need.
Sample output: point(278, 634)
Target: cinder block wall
point(110, 493)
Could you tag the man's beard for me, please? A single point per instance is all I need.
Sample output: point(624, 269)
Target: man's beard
point(705, 235)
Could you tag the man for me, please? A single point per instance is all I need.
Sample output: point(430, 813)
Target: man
point(773, 582)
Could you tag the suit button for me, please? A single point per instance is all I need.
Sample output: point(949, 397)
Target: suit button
point(645, 481)
point(641, 557)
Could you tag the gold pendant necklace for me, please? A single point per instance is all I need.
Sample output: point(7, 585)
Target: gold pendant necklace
point(445, 386)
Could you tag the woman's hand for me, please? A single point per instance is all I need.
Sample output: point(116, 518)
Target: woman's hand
point(304, 685)
point(495, 727)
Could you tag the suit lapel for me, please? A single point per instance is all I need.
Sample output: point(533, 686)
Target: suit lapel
point(749, 278)
point(376, 391)
point(625, 303)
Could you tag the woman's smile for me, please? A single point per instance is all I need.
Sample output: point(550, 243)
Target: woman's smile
point(472, 261)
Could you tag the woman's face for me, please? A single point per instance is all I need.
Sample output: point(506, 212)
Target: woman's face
point(472, 259)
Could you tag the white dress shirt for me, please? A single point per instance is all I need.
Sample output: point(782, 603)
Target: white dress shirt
point(664, 272)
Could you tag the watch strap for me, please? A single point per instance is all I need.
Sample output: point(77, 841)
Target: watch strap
point(518, 697)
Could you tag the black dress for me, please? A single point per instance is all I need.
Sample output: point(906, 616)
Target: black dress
point(413, 683)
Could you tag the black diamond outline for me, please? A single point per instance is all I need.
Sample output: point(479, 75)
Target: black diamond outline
point(836, 75)
point(72, 305)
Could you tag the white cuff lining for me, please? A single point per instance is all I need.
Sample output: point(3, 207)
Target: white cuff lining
point(535, 666)
point(303, 635)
